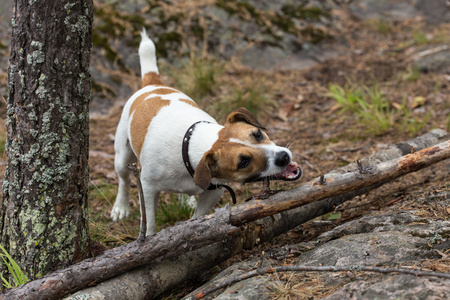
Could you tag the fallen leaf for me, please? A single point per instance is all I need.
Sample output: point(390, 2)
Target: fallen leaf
point(418, 101)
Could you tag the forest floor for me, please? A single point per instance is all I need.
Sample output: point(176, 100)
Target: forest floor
point(308, 120)
point(377, 55)
point(321, 137)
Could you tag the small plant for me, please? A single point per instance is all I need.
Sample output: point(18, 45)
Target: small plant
point(18, 276)
point(198, 76)
point(374, 110)
point(172, 211)
point(368, 104)
point(251, 95)
point(380, 25)
point(411, 124)
point(412, 73)
point(2, 143)
point(420, 38)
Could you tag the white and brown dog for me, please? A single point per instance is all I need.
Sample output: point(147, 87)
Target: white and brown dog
point(158, 121)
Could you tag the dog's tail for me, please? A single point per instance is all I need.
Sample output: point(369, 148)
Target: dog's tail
point(147, 57)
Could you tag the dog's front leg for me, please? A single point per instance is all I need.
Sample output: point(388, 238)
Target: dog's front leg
point(206, 202)
point(151, 198)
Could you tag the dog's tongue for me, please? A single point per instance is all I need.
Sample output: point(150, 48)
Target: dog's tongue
point(292, 172)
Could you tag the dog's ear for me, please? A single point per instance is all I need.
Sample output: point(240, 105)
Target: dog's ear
point(243, 115)
point(202, 174)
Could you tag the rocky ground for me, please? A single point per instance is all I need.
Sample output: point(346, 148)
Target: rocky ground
point(401, 46)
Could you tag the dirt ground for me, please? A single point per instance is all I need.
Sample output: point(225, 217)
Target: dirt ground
point(311, 124)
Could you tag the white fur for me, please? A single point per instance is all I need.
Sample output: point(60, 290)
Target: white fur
point(161, 159)
point(147, 55)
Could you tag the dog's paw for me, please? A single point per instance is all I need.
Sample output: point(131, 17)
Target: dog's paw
point(120, 212)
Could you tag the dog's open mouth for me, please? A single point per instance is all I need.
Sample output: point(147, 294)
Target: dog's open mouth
point(292, 172)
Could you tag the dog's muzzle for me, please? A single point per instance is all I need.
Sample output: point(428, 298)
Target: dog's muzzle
point(292, 172)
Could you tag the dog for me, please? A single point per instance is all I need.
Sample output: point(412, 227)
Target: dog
point(183, 149)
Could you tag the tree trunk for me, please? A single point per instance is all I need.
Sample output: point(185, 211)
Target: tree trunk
point(43, 217)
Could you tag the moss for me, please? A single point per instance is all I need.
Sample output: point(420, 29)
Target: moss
point(36, 57)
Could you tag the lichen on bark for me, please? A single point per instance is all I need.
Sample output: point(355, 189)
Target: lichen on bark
point(43, 217)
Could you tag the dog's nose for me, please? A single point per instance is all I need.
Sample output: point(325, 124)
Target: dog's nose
point(282, 159)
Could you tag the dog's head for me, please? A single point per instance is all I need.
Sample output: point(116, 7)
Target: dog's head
point(244, 153)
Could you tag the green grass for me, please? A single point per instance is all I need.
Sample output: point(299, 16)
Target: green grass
point(380, 25)
point(172, 210)
point(197, 77)
point(2, 143)
point(411, 124)
point(420, 38)
point(374, 111)
point(18, 276)
point(369, 105)
point(251, 95)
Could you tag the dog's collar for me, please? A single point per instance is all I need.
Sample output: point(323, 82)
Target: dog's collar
point(188, 165)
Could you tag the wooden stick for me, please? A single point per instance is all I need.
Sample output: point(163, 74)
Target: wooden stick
point(324, 188)
point(137, 173)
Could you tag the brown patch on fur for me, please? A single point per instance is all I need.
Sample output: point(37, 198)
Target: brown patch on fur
point(164, 91)
point(151, 78)
point(144, 110)
point(243, 132)
point(243, 115)
point(190, 102)
point(222, 162)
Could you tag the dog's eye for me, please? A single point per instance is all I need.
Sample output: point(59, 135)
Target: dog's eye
point(258, 135)
point(244, 162)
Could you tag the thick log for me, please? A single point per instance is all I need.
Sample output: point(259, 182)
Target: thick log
point(196, 233)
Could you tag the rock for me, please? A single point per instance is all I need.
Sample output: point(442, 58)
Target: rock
point(433, 58)
point(257, 288)
point(391, 10)
point(368, 249)
point(434, 11)
point(395, 287)
point(392, 239)
point(402, 222)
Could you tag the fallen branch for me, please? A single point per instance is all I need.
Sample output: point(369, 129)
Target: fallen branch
point(293, 268)
point(196, 233)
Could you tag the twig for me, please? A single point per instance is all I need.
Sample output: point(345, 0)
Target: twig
point(294, 268)
point(137, 173)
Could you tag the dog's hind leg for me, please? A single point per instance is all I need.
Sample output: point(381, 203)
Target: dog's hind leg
point(124, 156)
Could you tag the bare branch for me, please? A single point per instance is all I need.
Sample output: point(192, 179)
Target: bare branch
point(137, 173)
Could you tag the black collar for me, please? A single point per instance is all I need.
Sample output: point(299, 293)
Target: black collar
point(187, 161)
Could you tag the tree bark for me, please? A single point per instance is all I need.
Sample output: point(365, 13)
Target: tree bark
point(43, 216)
point(196, 233)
